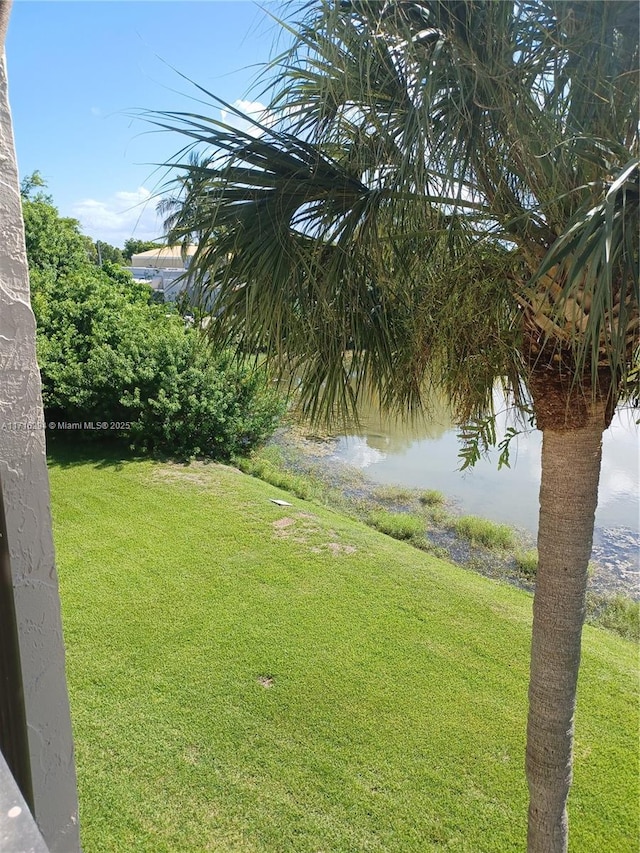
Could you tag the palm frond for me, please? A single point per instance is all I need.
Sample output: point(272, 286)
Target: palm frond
point(424, 159)
point(595, 273)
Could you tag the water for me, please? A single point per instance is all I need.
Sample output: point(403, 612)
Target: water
point(425, 455)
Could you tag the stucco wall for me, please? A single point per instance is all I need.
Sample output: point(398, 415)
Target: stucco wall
point(26, 494)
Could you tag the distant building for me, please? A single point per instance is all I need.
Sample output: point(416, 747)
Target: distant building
point(165, 269)
point(164, 258)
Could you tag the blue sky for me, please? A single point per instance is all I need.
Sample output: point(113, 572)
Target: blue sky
point(78, 70)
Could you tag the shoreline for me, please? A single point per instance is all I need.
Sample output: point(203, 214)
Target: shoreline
point(614, 567)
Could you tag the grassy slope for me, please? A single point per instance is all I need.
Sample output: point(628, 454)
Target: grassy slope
point(396, 716)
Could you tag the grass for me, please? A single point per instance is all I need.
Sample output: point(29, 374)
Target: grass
point(274, 474)
point(345, 490)
point(399, 525)
point(615, 613)
point(527, 562)
point(248, 677)
point(432, 498)
point(484, 532)
point(393, 494)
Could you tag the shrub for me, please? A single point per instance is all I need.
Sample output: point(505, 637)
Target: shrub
point(204, 404)
point(109, 356)
point(484, 532)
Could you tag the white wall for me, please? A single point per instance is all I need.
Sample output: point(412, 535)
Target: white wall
point(165, 281)
point(26, 495)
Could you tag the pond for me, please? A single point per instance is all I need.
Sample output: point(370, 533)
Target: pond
point(424, 454)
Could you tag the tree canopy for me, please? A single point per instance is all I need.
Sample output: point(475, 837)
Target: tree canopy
point(55, 245)
point(134, 247)
point(414, 144)
point(132, 369)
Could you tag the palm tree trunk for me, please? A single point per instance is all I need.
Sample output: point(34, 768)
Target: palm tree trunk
point(568, 497)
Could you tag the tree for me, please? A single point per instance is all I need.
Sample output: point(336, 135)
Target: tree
point(56, 248)
point(133, 247)
point(55, 245)
point(106, 252)
point(449, 195)
point(109, 356)
point(191, 189)
point(66, 242)
point(30, 182)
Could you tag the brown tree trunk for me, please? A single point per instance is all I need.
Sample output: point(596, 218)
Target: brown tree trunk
point(568, 498)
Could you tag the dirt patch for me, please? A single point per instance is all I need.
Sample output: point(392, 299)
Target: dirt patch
point(194, 473)
point(304, 526)
point(336, 548)
point(266, 680)
point(339, 548)
point(191, 755)
point(283, 523)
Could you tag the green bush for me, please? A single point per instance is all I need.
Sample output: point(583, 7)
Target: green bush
point(110, 357)
point(399, 525)
point(203, 404)
point(484, 532)
point(54, 243)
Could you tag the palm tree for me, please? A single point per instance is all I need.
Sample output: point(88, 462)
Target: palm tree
point(447, 194)
point(191, 189)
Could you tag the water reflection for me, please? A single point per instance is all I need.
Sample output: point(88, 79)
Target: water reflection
point(386, 435)
point(424, 454)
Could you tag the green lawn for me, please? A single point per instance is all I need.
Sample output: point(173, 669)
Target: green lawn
point(249, 677)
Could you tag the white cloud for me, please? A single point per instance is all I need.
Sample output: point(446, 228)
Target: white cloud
point(355, 451)
point(255, 110)
point(127, 214)
point(122, 215)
